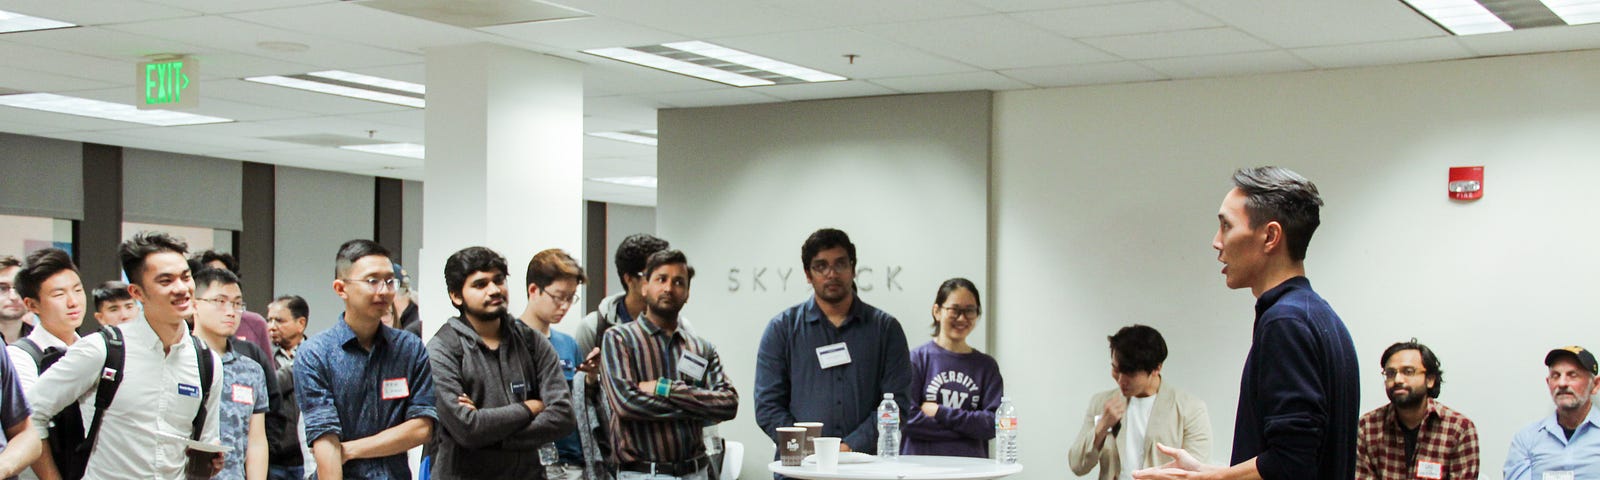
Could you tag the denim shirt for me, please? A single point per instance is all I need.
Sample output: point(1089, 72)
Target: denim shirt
point(341, 390)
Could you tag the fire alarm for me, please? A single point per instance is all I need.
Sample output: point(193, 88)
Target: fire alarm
point(1466, 183)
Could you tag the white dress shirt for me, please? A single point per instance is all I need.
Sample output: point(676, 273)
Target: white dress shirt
point(148, 401)
point(28, 374)
point(1135, 423)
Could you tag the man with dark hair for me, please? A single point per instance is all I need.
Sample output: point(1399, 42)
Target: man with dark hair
point(252, 327)
point(160, 386)
point(622, 307)
point(663, 383)
point(501, 382)
point(832, 358)
point(1123, 424)
point(51, 289)
point(1299, 395)
point(250, 390)
point(552, 281)
point(113, 305)
point(286, 324)
point(365, 390)
point(1565, 444)
point(13, 315)
point(405, 302)
point(1415, 436)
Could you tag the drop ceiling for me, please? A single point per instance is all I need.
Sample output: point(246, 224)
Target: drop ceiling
point(901, 46)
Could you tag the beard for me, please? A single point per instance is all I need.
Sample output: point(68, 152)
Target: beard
point(830, 294)
point(485, 312)
point(665, 307)
point(1410, 399)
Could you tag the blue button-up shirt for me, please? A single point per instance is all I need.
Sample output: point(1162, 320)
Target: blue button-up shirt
point(1544, 447)
point(792, 386)
point(350, 392)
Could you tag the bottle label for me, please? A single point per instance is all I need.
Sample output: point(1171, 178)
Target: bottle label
point(1005, 424)
point(887, 418)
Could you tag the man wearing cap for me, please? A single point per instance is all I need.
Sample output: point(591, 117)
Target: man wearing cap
point(1563, 446)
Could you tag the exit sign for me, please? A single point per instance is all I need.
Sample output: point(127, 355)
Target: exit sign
point(168, 84)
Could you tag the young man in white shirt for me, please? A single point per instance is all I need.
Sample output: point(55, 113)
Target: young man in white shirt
point(52, 290)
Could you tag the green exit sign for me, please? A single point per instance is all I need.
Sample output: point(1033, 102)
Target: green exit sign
point(168, 84)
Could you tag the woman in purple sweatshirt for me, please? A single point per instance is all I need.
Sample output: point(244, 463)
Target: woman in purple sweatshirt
point(960, 386)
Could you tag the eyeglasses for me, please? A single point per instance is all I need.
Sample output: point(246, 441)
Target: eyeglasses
point(838, 268)
point(1389, 373)
point(6, 289)
point(969, 312)
point(566, 300)
point(220, 303)
point(376, 284)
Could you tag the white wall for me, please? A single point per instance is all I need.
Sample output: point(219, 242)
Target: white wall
point(317, 212)
point(1105, 203)
point(742, 188)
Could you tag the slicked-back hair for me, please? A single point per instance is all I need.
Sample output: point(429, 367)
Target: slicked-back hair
point(667, 257)
point(1277, 194)
point(550, 265)
point(1138, 348)
point(468, 261)
point(134, 251)
point(950, 286)
point(633, 252)
point(40, 266)
point(825, 239)
point(227, 259)
point(110, 292)
point(353, 251)
point(297, 306)
point(210, 277)
point(1430, 362)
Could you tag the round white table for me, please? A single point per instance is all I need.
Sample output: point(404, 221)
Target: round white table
point(908, 467)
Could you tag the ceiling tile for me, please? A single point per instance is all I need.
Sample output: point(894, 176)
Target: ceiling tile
point(61, 121)
point(635, 109)
point(244, 37)
point(594, 123)
point(990, 42)
point(66, 64)
point(602, 76)
point(1385, 53)
point(705, 18)
point(414, 119)
point(347, 126)
point(1232, 64)
point(232, 6)
point(817, 91)
point(209, 104)
point(954, 82)
point(1119, 19)
point(1030, 5)
point(299, 100)
point(102, 42)
point(1305, 23)
point(720, 96)
point(351, 22)
point(137, 141)
point(203, 136)
point(585, 33)
point(1119, 72)
point(1552, 39)
point(855, 12)
point(1211, 41)
point(30, 129)
point(96, 12)
point(31, 81)
point(826, 49)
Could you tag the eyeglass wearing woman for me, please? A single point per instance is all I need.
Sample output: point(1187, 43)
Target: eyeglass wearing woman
point(961, 385)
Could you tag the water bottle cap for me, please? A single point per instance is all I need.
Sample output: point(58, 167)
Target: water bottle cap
point(888, 396)
point(1004, 398)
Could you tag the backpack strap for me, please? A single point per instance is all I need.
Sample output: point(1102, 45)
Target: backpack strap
point(110, 379)
point(202, 355)
point(33, 350)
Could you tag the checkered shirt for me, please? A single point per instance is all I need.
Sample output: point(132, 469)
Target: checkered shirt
point(1445, 438)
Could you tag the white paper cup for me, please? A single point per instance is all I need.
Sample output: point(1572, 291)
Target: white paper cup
point(827, 453)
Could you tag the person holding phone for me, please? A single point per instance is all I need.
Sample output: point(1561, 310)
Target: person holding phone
point(1123, 424)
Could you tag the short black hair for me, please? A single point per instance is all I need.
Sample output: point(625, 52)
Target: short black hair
point(1138, 348)
point(7, 261)
point(40, 266)
point(1277, 194)
point(297, 306)
point(633, 252)
point(667, 257)
point(1430, 362)
point(825, 239)
point(227, 259)
point(110, 292)
point(468, 261)
point(133, 251)
point(950, 286)
point(209, 277)
point(353, 251)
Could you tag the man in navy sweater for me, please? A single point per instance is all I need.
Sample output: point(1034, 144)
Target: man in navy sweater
point(1299, 395)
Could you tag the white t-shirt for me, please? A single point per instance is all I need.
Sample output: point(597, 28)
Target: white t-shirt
point(1134, 425)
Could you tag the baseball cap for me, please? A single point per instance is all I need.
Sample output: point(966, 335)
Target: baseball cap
point(1576, 353)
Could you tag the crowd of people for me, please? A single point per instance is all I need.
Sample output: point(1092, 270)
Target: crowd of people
point(182, 380)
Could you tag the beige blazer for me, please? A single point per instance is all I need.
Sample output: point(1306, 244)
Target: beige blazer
point(1176, 419)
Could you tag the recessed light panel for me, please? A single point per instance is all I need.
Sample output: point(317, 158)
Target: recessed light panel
point(16, 22)
point(716, 63)
point(642, 137)
point(1575, 12)
point(641, 182)
point(1471, 17)
point(49, 102)
point(408, 150)
point(352, 85)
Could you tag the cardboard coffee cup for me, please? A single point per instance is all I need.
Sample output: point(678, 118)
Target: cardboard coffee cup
point(790, 450)
point(813, 430)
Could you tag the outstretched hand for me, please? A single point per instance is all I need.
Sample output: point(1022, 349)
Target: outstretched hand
point(1182, 466)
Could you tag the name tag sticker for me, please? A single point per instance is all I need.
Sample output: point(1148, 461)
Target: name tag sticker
point(243, 394)
point(395, 388)
point(1562, 475)
point(833, 355)
point(692, 365)
point(1430, 470)
point(188, 390)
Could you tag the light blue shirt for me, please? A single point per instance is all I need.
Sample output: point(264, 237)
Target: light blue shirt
point(1544, 447)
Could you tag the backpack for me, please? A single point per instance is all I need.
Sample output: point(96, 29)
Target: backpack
point(73, 449)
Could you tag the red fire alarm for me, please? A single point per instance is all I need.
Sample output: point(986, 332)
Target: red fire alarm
point(1466, 183)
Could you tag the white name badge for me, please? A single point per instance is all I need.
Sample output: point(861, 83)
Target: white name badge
point(1562, 475)
point(395, 388)
point(1430, 470)
point(833, 355)
point(244, 394)
point(692, 365)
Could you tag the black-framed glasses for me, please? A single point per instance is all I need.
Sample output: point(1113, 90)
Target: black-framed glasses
point(969, 312)
point(238, 305)
point(838, 268)
point(562, 300)
point(376, 284)
point(1389, 373)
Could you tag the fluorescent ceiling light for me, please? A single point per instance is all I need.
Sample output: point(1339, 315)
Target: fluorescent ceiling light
point(16, 22)
point(1461, 17)
point(339, 87)
point(50, 102)
point(641, 182)
point(370, 80)
point(408, 150)
point(1575, 12)
point(716, 63)
point(642, 137)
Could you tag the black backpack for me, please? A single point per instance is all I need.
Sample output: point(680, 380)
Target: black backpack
point(69, 443)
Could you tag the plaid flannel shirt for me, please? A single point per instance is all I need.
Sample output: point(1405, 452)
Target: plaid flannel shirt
point(1445, 438)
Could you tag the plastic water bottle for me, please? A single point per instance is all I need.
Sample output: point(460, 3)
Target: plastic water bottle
point(712, 438)
point(888, 428)
point(1005, 432)
point(548, 456)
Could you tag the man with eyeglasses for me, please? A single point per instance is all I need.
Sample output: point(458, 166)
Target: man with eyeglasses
point(1415, 436)
point(1566, 444)
point(831, 358)
point(365, 390)
point(552, 281)
point(245, 377)
point(13, 323)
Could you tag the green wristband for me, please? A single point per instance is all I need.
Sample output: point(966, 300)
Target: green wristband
point(663, 387)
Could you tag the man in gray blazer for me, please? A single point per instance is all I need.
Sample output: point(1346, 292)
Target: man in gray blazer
point(1124, 424)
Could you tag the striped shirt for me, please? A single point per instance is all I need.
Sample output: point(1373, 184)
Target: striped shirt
point(645, 427)
point(1446, 440)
